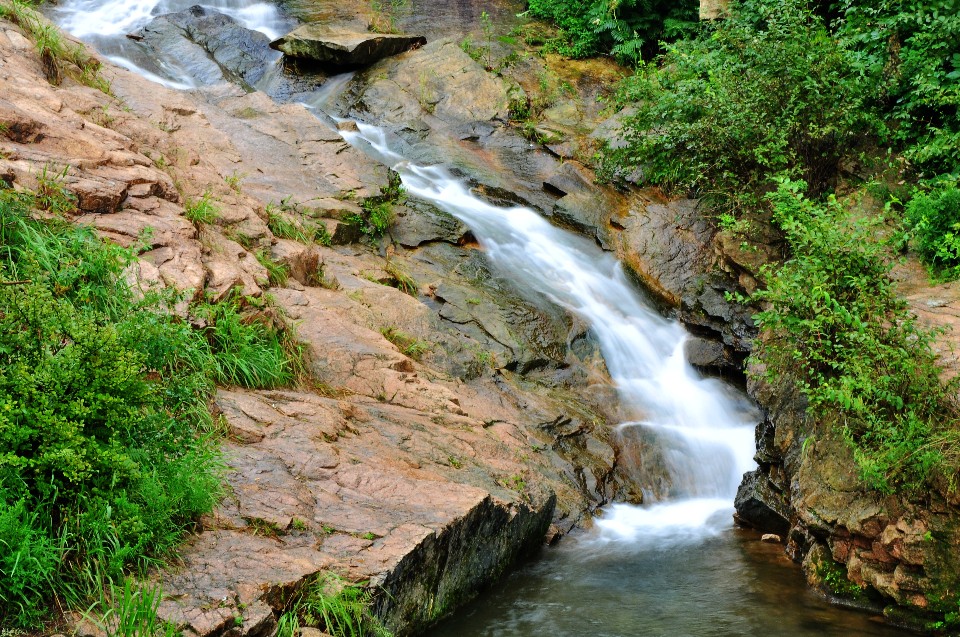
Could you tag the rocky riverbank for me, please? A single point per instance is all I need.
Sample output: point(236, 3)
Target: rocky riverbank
point(425, 471)
point(452, 423)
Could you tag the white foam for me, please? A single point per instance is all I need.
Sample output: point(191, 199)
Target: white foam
point(109, 18)
point(708, 426)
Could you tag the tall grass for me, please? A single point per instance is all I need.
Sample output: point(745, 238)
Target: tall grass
point(58, 56)
point(250, 350)
point(107, 450)
point(340, 608)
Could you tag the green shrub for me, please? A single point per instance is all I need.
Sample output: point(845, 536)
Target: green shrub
point(103, 460)
point(626, 29)
point(934, 219)
point(834, 323)
point(908, 52)
point(727, 111)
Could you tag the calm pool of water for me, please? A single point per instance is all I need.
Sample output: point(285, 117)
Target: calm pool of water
point(725, 586)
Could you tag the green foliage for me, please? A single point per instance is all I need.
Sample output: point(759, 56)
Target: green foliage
point(131, 611)
point(406, 343)
point(908, 52)
point(834, 577)
point(378, 210)
point(834, 323)
point(28, 560)
point(249, 350)
point(339, 608)
point(934, 219)
point(202, 210)
point(103, 458)
point(729, 110)
point(627, 29)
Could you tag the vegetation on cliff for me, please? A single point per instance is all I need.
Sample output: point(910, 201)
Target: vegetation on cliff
point(835, 323)
point(762, 115)
point(628, 29)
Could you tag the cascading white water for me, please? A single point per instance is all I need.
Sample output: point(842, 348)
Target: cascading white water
point(704, 430)
point(87, 19)
point(105, 24)
point(705, 427)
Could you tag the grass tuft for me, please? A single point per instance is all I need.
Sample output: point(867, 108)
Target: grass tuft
point(333, 605)
point(58, 57)
point(406, 343)
point(201, 211)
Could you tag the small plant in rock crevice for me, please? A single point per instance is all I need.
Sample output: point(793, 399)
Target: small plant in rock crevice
point(338, 607)
point(409, 345)
point(278, 273)
point(377, 213)
point(201, 211)
point(283, 226)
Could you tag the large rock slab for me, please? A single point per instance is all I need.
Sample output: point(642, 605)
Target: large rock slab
point(320, 43)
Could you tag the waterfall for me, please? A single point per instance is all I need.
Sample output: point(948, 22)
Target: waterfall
point(703, 427)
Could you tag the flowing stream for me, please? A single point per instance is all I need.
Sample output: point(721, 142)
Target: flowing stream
point(671, 567)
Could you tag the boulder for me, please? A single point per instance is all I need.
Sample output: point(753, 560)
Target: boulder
point(760, 505)
point(319, 43)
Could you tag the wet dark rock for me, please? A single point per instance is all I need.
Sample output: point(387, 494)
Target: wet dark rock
point(212, 46)
point(706, 353)
point(322, 44)
point(666, 245)
point(236, 49)
point(418, 223)
point(762, 506)
point(708, 311)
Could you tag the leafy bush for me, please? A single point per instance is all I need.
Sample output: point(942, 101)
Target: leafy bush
point(729, 110)
point(103, 461)
point(908, 51)
point(625, 28)
point(934, 219)
point(834, 322)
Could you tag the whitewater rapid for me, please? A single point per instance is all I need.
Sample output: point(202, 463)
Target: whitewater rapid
point(703, 427)
point(706, 428)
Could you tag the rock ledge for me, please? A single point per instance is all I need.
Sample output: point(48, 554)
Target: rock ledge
point(320, 43)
